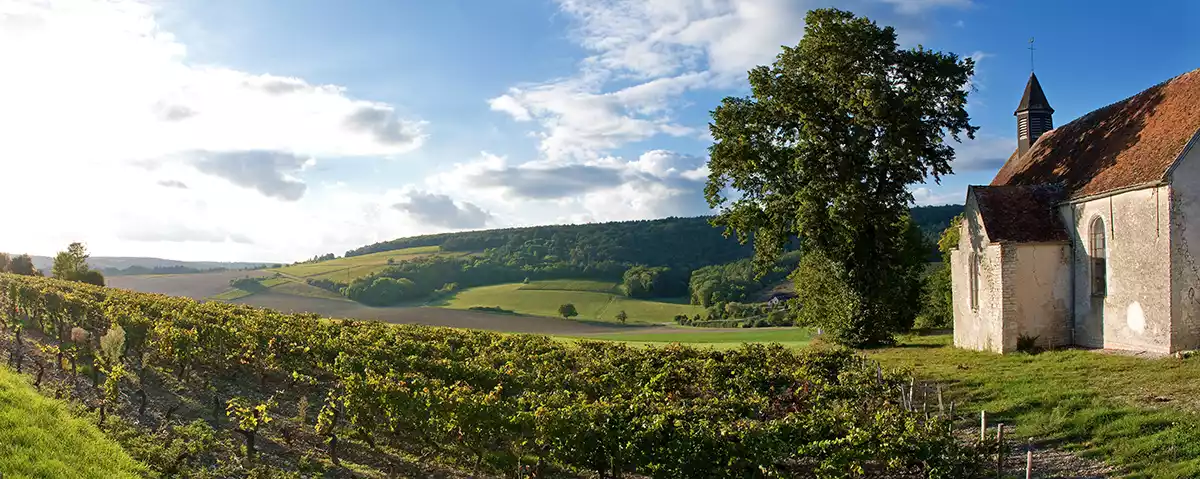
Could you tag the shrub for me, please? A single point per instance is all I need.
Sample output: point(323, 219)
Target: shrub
point(1028, 344)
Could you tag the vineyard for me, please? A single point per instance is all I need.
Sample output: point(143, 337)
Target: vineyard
point(216, 389)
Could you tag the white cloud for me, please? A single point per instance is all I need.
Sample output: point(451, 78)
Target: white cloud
point(128, 145)
point(658, 183)
point(918, 6)
point(925, 196)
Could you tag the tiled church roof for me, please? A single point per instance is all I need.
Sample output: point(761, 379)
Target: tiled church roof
point(1020, 213)
point(1128, 143)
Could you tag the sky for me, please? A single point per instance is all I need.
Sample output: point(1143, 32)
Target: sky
point(265, 130)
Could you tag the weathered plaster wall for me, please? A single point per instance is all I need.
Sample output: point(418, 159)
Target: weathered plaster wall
point(1185, 251)
point(1037, 293)
point(1136, 311)
point(980, 328)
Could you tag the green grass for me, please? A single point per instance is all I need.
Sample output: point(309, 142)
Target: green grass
point(299, 288)
point(231, 294)
point(39, 437)
point(1142, 415)
point(346, 269)
point(792, 337)
point(571, 285)
point(536, 298)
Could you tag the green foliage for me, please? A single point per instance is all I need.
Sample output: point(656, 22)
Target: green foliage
point(71, 265)
point(567, 311)
point(381, 291)
point(1028, 344)
point(642, 281)
point(91, 276)
point(5, 260)
point(717, 284)
point(497, 400)
point(23, 265)
point(937, 294)
point(622, 317)
point(825, 147)
point(112, 344)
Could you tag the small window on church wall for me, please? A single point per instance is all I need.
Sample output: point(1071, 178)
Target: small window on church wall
point(974, 267)
point(1099, 253)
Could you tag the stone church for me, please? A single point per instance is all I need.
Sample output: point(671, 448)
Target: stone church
point(1089, 235)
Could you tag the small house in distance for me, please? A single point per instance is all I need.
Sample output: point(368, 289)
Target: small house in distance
point(1090, 234)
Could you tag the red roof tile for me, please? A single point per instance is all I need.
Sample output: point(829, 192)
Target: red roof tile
point(1020, 213)
point(1128, 143)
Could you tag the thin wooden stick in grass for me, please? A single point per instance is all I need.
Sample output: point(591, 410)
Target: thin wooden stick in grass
point(982, 426)
point(1029, 459)
point(941, 405)
point(1000, 450)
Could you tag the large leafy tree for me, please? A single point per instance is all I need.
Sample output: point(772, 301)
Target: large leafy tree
point(22, 264)
point(72, 265)
point(825, 148)
point(5, 259)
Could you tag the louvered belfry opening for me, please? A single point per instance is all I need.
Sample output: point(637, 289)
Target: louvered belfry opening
point(1034, 115)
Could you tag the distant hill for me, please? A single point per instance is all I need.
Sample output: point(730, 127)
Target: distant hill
point(117, 265)
point(686, 242)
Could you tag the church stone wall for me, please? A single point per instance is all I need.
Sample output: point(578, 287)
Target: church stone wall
point(1184, 193)
point(1037, 293)
point(1135, 313)
point(981, 328)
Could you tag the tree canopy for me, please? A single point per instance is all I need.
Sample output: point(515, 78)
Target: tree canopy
point(72, 265)
point(825, 148)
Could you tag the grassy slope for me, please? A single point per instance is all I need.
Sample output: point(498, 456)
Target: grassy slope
point(1140, 414)
point(538, 299)
point(40, 438)
point(719, 339)
point(345, 269)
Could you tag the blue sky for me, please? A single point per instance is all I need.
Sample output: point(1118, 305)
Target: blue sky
point(268, 130)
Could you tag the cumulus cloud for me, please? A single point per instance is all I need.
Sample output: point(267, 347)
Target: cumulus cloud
point(97, 92)
point(269, 172)
point(381, 122)
point(172, 112)
point(551, 182)
point(178, 233)
point(918, 6)
point(173, 184)
point(656, 184)
point(441, 210)
point(925, 196)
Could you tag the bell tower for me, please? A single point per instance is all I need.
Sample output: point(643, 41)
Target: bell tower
point(1034, 115)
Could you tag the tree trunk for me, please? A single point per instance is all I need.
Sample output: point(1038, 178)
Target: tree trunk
point(37, 383)
point(141, 393)
point(333, 456)
point(249, 442)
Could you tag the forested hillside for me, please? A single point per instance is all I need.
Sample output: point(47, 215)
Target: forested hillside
point(652, 258)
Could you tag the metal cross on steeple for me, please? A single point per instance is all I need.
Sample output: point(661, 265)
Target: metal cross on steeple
point(1031, 54)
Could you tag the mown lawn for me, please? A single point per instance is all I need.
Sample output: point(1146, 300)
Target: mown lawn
point(543, 299)
point(1142, 415)
point(39, 437)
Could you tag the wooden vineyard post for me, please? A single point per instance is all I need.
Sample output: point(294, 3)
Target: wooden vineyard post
point(982, 426)
point(941, 405)
point(1029, 459)
point(999, 450)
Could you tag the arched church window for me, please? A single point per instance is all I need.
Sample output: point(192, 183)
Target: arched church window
point(974, 272)
point(1099, 255)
